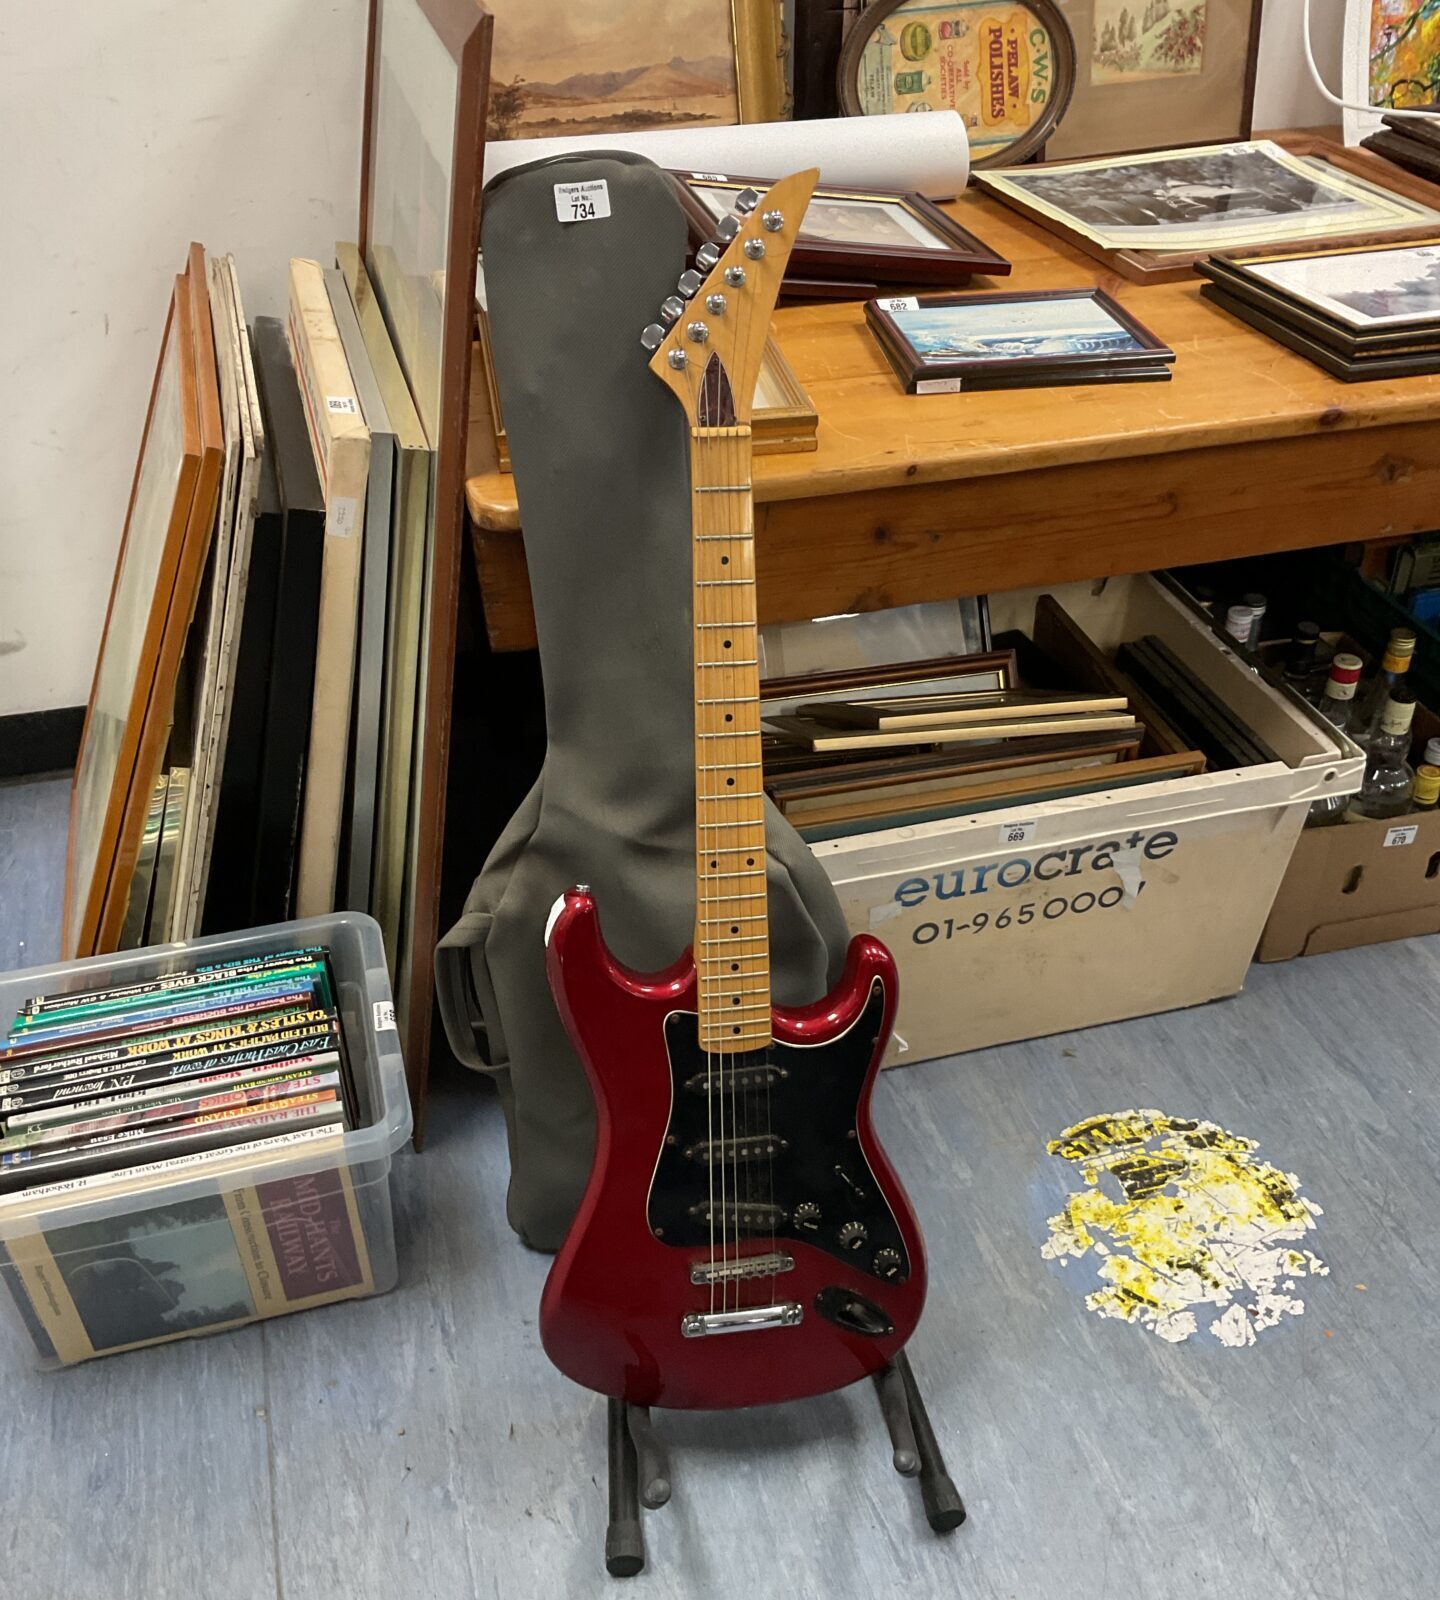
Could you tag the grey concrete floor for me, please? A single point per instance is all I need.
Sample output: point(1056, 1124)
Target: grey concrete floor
point(420, 1446)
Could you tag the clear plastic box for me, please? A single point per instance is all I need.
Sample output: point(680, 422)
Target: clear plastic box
point(141, 1257)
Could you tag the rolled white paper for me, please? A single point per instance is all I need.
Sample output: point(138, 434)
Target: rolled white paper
point(929, 152)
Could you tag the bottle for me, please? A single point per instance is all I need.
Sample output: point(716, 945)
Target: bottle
point(1425, 795)
point(1300, 661)
point(1370, 702)
point(1237, 623)
point(1335, 705)
point(1257, 604)
point(1389, 777)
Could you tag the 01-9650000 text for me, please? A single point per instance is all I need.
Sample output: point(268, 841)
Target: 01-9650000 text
point(1022, 916)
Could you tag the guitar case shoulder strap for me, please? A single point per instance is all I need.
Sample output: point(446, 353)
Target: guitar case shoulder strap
point(601, 458)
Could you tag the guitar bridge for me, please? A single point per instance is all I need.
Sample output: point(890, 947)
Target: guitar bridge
point(766, 1266)
point(753, 1319)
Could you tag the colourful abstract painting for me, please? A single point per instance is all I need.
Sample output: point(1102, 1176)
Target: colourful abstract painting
point(1404, 52)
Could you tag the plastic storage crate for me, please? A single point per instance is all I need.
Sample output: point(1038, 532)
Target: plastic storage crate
point(103, 1264)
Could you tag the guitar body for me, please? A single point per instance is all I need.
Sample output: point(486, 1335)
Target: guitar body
point(817, 1229)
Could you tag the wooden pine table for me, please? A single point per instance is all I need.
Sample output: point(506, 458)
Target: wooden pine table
point(1249, 449)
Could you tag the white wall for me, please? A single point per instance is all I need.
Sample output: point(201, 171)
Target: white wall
point(129, 127)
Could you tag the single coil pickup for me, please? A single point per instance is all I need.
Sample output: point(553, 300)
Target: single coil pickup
point(754, 1147)
point(748, 1216)
point(737, 1080)
point(770, 1265)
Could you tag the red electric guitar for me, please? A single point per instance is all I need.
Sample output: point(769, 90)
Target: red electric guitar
point(743, 1238)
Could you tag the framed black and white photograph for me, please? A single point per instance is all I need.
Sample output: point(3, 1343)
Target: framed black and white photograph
point(854, 236)
point(1209, 198)
point(1368, 290)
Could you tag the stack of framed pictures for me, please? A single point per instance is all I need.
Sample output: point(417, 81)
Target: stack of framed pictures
point(1151, 217)
point(1410, 142)
point(167, 537)
point(852, 240)
point(1358, 313)
point(944, 344)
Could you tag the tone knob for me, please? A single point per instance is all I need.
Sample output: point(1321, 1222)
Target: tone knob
point(889, 1265)
point(807, 1216)
point(853, 1236)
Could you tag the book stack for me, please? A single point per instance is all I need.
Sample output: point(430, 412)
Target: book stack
point(1359, 312)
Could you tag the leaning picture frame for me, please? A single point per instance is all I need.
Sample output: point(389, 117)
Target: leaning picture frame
point(563, 69)
point(422, 157)
point(108, 790)
point(1158, 74)
point(851, 237)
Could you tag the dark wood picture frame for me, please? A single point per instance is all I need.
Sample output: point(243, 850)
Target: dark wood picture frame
point(912, 368)
point(1029, 143)
point(1159, 266)
point(851, 270)
point(1132, 114)
point(465, 29)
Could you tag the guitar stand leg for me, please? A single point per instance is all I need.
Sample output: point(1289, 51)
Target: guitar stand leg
point(944, 1509)
point(895, 1408)
point(652, 1457)
point(624, 1538)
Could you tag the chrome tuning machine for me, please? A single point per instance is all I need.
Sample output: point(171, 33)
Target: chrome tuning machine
point(690, 283)
point(653, 337)
point(746, 201)
point(672, 308)
point(726, 231)
point(707, 257)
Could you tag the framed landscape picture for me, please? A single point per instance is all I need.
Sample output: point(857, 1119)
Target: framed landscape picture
point(564, 69)
point(1154, 74)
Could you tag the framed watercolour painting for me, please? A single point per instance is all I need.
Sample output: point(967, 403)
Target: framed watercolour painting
point(1156, 74)
point(564, 69)
point(1007, 67)
point(1391, 60)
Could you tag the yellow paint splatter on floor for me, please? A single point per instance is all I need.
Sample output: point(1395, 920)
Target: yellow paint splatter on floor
point(1180, 1215)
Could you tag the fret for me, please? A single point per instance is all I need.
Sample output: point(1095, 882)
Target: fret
point(752, 822)
point(708, 538)
point(736, 938)
point(749, 872)
point(729, 898)
point(721, 488)
point(737, 622)
point(759, 955)
point(727, 766)
point(708, 664)
point(723, 583)
point(753, 916)
point(740, 733)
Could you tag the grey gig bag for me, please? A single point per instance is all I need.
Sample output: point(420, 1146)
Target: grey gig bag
point(601, 459)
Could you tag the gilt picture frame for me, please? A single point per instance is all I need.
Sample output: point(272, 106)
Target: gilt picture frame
point(563, 69)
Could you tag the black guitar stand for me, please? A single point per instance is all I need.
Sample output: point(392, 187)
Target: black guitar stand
point(640, 1465)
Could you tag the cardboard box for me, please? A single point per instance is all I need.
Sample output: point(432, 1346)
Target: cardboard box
point(1072, 912)
point(1357, 883)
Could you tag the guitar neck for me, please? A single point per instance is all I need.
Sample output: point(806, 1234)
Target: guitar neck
point(732, 933)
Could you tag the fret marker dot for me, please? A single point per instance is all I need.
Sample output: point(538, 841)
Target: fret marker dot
point(734, 930)
point(734, 966)
point(724, 561)
point(735, 1001)
point(713, 865)
point(729, 783)
point(749, 861)
point(728, 717)
point(734, 1030)
point(727, 644)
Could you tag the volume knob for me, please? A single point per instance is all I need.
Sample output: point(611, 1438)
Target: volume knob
point(807, 1216)
point(888, 1265)
point(852, 1236)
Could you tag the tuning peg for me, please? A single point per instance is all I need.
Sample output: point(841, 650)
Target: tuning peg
point(746, 201)
point(707, 257)
point(755, 249)
point(735, 276)
point(726, 230)
point(653, 336)
point(773, 221)
point(672, 309)
point(715, 304)
point(690, 283)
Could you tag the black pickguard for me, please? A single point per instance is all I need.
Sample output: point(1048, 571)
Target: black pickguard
point(815, 1187)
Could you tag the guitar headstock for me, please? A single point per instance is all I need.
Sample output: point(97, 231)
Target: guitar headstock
point(710, 343)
